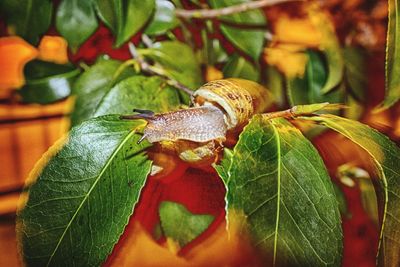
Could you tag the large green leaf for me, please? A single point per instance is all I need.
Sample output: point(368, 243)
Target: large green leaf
point(309, 89)
point(250, 41)
point(178, 60)
point(84, 196)
point(239, 67)
point(164, 18)
point(140, 92)
point(76, 21)
point(27, 18)
point(279, 181)
point(386, 156)
point(180, 224)
point(47, 82)
point(392, 56)
point(93, 85)
point(135, 13)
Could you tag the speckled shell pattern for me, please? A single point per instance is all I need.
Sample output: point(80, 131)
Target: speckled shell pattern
point(240, 99)
point(198, 124)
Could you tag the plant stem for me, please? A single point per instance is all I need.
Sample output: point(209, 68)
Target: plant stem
point(214, 13)
point(152, 70)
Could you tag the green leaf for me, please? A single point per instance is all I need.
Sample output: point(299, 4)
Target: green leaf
point(164, 18)
point(27, 18)
point(141, 92)
point(93, 85)
point(47, 82)
point(355, 71)
point(250, 41)
point(223, 167)
point(178, 60)
point(279, 182)
point(110, 12)
point(309, 89)
point(135, 14)
point(83, 198)
point(275, 83)
point(330, 45)
point(180, 224)
point(76, 21)
point(392, 56)
point(238, 67)
point(341, 200)
point(386, 157)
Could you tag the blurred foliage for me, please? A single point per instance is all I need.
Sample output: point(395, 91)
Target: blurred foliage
point(304, 53)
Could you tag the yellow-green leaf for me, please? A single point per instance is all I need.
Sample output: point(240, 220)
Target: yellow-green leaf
point(386, 156)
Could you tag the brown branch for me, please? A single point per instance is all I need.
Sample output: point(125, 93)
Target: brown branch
point(214, 13)
point(152, 70)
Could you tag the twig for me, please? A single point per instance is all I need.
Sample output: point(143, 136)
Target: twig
point(152, 70)
point(214, 13)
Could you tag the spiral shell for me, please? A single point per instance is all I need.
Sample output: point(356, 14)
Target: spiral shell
point(240, 99)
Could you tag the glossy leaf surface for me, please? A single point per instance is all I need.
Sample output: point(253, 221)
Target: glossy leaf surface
point(309, 89)
point(84, 196)
point(76, 21)
point(140, 92)
point(278, 181)
point(135, 13)
point(180, 224)
point(249, 41)
point(26, 18)
point(47, 82)
point(93, 85)
point(178, 60)
point(164, 18)
point(386, 156)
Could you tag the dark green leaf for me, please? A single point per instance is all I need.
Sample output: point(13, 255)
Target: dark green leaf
point(279, 181)
point(330, 46)
point(355, 71)
point(341, 200)
point(180, 224)
point(178, 61)
point(392, 56)
point(212, 51)
point(93, 85)
point(309, 89)
point(141, 92)
point(250, 41)
point(135, 13)
point(164, 18)
point(250, 17)
point(47, 82)
point(386, 156)
point(27, 18)
point(110, 12)
point(276, 84)
point(238, 67)
point(76, 21)
point(84, 196)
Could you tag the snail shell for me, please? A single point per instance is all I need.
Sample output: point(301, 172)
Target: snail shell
point(240, 99)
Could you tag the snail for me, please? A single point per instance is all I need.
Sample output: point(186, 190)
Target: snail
point(219, 107)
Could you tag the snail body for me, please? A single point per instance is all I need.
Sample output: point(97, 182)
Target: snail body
point(219, 107)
